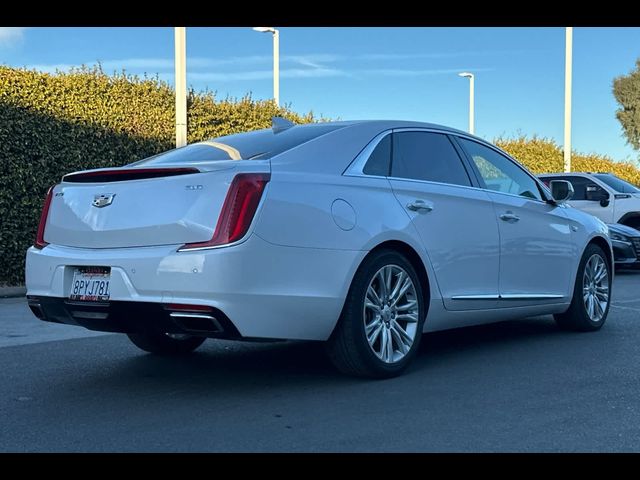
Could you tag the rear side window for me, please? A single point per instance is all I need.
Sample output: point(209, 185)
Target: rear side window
point(258, 144)
point(427, 156)
point(380, 159)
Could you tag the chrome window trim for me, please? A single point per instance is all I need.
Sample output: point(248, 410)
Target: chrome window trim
point(403, 179)
point(516, 196)
point(355, 169)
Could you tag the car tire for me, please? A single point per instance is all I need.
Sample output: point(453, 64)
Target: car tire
point(585, 315)
point(165, 344)
point(375, 341)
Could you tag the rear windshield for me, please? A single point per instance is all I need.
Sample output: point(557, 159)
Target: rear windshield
point(242, 146)
point(617, 184)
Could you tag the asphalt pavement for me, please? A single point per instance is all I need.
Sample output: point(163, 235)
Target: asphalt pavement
point(516, 386)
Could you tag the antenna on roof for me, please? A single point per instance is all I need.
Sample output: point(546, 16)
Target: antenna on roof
point(279, 124)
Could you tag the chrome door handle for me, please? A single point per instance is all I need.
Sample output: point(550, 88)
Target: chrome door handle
point(509, 217)
point(418, 205)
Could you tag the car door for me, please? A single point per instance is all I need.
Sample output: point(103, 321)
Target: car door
point(455, 220)
point(582, 185)
point(537, 255)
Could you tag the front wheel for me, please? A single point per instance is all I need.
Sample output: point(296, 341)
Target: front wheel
point(591, 295)
point(165, 343)
point(381, 324)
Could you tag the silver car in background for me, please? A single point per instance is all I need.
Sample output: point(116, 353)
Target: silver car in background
point(361, 234)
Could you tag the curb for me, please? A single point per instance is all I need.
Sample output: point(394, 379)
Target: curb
point(10, 292)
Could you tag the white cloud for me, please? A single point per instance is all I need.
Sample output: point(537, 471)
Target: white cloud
point(433, 55)
point(312, 60)
point(404, 56)
point(161, 64)
point(400, 72)
point(11, 35)
point(258, 67)
point(168, 63)
point(265, 74)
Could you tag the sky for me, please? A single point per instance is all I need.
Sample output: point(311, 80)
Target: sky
point(365, 73)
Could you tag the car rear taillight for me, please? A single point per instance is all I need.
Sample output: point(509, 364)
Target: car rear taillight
point(40, 243)
point(238, 210)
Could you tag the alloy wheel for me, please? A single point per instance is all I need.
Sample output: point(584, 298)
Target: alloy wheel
point(595, 287)
point(391, 313)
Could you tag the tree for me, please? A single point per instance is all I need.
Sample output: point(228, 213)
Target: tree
point(626, 89)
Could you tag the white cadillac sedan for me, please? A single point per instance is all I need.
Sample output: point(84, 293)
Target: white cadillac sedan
point(359, 234)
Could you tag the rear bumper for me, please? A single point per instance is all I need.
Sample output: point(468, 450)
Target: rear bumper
point(132, 317)
point(266, 290)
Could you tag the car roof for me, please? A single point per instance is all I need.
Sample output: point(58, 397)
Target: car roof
point(389, 124)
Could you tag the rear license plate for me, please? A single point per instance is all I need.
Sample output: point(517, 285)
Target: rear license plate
point(90, 284)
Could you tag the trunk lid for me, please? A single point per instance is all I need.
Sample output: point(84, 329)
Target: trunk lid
point(146, 209)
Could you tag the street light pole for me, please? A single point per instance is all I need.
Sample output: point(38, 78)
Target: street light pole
point(276, 67)
point(181, 86)
point(567, 97)
point(471, 78)
point(276, 61)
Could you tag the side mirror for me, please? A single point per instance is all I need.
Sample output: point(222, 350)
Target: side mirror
point(561, 190)
point(596, 193)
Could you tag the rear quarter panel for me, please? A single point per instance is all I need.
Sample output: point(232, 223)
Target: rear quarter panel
point(336, 212)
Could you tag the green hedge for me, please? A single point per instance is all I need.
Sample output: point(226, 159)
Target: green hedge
point(541, 155)
point(53, 124)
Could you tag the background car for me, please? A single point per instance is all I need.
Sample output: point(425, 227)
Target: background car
point(360, 234)
point(626, 245)
point(603, 195)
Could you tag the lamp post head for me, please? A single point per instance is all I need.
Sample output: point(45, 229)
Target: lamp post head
point(265, 29)
point(466, 74)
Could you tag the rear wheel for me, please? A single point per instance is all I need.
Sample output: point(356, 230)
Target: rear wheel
point(591, 295)
point(381, 324)
point(166, 343)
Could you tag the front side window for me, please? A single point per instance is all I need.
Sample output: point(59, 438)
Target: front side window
point(499, 173)
point(427, 156)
